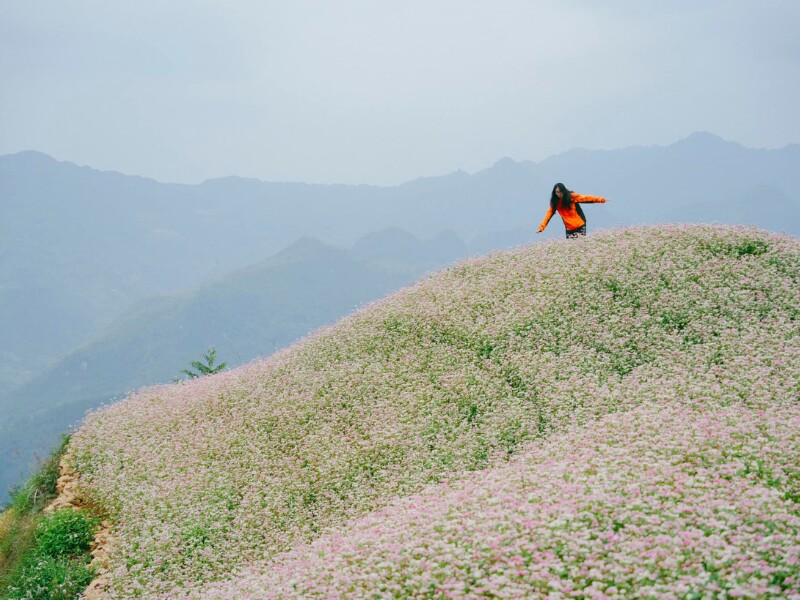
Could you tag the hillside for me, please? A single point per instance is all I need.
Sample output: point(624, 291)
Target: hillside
point(245, 315)
point(616, 415)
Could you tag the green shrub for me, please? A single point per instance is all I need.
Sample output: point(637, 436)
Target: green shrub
point(46, 578)
point(44, 556)
point(56, 566)
point(24, 513)
point(65, 533)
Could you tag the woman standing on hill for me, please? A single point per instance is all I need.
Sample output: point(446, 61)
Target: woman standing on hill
point(567, 205)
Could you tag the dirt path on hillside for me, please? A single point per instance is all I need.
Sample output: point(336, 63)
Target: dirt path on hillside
point(68, 489)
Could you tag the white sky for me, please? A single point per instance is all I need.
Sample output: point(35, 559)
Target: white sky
point(386, 91)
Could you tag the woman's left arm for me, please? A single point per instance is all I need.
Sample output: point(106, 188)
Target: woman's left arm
point(581, 198)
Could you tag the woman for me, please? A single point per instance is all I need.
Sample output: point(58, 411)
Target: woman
point(567, 205)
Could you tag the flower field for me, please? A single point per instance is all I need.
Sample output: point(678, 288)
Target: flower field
point(656, 503)
point(615, 416)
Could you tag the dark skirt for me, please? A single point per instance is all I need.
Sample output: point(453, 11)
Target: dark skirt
point(574, 233)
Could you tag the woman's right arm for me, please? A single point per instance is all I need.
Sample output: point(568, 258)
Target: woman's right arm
point(546, 220)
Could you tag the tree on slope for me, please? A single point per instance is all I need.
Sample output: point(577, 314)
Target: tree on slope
point(207, 368)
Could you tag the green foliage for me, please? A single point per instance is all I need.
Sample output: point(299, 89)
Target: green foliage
point(55, 565)
point(41, 487)
point(754, 247)
point(46, 578)
point(16, 538)
point(44, 556)
point(675, 320)
point(207, 368)
point(65, 533)
point(485, 349)
point(737, 249)
point(18, 524)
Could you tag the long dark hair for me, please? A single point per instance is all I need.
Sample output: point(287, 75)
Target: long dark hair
point(566, 201)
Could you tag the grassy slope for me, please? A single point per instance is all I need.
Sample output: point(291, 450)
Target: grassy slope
point(653, 502)
point(247, 314)
point(455, 374)
point(44, 555)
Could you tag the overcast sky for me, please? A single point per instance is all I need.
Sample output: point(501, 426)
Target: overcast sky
point(383, 91)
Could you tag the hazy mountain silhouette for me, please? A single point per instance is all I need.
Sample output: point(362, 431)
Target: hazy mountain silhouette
point(395, 245)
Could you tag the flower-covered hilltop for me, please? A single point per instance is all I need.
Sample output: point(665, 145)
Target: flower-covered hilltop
point(610, 416)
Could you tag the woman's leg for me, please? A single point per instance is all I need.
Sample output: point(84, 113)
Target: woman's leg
point(574, 233)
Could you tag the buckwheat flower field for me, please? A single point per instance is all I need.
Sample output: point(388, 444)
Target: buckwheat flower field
point(656, 502)
point(615, 416)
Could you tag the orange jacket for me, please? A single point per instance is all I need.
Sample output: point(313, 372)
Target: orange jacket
point(572, 220)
